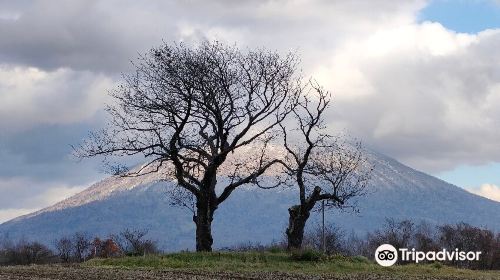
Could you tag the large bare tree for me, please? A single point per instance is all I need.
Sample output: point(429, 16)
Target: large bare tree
point(191, 109)
point(322, 166)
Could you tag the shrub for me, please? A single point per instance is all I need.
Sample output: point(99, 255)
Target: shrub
point(306, 255)
point(469, 238)
point(105, 249)
point(334, 239)
point(462, 236)
point(360, 259)
point(133, 243)
point(274, 247)
point(437, 265)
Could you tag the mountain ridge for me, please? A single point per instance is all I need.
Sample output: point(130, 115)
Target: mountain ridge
point(251, 214)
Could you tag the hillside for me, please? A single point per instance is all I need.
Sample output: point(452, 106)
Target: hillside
point(250, 214)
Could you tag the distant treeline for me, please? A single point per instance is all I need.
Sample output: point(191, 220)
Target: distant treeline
point(401, 234)
point(76, 248)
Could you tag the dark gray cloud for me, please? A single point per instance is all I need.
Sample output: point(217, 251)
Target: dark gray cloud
point(36, 165)
point(43, 153)
point(82, 35)
point(106, 35)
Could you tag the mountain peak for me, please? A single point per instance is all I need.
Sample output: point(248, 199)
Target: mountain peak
point(395, 191)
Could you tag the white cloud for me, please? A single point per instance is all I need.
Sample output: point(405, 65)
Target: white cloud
point(26, 196)
point(421, 93)
point(56, 194)
point(8, 214)
point(487, 190)
point(25, 193)
point(30, 96)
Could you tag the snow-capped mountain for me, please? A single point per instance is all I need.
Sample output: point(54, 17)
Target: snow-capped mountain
point(250, 214)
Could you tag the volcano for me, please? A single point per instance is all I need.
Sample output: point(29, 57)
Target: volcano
point(250, 214)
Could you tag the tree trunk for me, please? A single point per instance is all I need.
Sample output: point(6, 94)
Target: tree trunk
point(298, 218)
point(203, 220)
point(296, 224)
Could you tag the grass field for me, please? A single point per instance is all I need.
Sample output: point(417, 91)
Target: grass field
point(251, 263)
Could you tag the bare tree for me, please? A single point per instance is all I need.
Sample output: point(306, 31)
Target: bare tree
point(64, 249)
point(81, 246)
point(425, 237)
point(133, 242)
point(397, 233)
point(323, 167)
point(190, 109)
point(25, 252)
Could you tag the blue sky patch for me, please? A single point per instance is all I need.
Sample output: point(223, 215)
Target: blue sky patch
point(463, 16)
point(472, 176)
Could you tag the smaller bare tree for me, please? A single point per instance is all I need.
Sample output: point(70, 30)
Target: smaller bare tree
point(323, 167)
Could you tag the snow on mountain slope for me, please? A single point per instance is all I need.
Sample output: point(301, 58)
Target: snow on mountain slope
point(100, 191)
point(251, 214)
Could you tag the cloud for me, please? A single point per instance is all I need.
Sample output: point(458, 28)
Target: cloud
point(8, 214)
point(419, 92)
point(47, 196)
point(487, 190)
point(82, 35)
point(25, 193)
point(54, 195)
point(100, 35)
point(31, 96)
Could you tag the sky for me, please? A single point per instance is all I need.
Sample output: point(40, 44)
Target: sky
point(416, 80)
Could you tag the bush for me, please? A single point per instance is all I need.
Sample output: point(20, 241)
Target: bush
point(274, 247)
point(105, 248)
point(133, 243)
point(462, 236)
point(437, 265)
point(334, 239)
point(360, 259)
point(469, 238)
point(306, 255)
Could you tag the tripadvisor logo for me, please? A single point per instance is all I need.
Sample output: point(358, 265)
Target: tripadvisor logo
point(387, 255)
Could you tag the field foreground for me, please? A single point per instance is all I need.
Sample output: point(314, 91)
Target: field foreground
point(250, 265)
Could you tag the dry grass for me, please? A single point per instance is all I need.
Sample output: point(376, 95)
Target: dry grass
point(247, 265)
